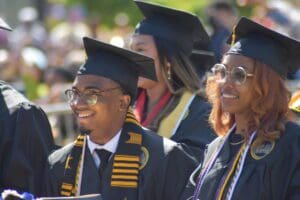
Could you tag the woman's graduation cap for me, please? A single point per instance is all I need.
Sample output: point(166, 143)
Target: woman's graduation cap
point(180, 27)
point(118, 64)
point(4, 25)
point(253, 40)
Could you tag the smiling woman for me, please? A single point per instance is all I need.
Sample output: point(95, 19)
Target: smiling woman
point(256, 138)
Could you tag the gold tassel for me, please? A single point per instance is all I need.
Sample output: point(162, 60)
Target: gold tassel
point(233, 37)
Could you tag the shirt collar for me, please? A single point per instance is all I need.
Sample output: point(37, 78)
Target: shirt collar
point(110, 146)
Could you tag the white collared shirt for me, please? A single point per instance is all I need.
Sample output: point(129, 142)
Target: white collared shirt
point(110, 146)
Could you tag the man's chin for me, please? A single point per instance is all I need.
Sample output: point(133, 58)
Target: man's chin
point(84, 130)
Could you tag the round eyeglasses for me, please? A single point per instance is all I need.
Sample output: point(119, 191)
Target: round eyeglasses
point(238, 74)
point(88, 97)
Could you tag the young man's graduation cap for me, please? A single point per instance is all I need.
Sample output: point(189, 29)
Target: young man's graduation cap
point(4, 25)
point(277, 51)
point(177, 26)
point(120, 65)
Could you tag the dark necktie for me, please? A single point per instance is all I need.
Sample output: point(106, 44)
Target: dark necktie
point(104, 157)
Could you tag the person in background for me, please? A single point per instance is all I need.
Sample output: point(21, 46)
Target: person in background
point(114, 155)
point(256, 155)
point(29, 30)
point(26, 140)
point(221, 17)
point(172, 107)
point(33, 64)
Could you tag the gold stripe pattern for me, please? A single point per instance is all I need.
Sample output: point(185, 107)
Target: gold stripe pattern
point(128, 184)
point(135, 138)
point(125, 171)
point(63, 193)
point(66, 189)
point(127, 165)
point(129, 120)
point(126, 177)
point(127, 158)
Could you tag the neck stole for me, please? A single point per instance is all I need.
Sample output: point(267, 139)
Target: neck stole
point(234, 172)
point(169, 125)
point(126, 162)
point(141, 103)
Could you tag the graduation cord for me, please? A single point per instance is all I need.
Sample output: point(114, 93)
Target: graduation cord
point(209, 165)
point(240, 161)
point(234, 166)
point(239, 168)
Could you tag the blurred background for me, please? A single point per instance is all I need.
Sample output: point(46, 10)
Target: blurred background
point(41, 56)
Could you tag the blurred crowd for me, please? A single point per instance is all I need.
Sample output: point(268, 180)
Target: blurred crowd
point(40, 58)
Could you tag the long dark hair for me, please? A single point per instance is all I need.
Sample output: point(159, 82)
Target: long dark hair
point(183, 73)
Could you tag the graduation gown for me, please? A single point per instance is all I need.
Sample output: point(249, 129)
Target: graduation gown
point(270, 172)
point(188, 123)
point(166, 169)
point(25, 142)
point(194, 130)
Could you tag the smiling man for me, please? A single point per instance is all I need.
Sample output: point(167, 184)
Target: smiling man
point(114, 155)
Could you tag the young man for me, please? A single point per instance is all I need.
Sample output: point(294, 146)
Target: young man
point(26, 140)
point(114, 155)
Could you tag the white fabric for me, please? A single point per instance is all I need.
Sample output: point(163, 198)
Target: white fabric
point(110, 146)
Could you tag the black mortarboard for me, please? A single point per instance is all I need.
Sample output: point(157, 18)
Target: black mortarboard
point(253, 40)
point(180, 27)
point(202, 60)
point(4, 25)
point(120, 65)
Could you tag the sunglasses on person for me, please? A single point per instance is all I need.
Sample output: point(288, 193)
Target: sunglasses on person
point(238, 75)
point(89, 97)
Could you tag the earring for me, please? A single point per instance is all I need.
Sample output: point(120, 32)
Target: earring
point(169, 74)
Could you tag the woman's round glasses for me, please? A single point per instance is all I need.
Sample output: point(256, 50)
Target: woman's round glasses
point(89, 97)
point(238, 75)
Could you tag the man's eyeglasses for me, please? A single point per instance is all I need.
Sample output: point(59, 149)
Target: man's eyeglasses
point(88, 97)
point(238, 74)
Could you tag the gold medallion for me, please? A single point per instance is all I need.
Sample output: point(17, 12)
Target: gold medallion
point(144, 157)
point(259, 151)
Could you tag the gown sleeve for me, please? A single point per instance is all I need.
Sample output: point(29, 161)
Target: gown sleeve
point(27, 141)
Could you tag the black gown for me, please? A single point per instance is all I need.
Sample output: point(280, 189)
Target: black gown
point(194, 130)
point(25, 142)
point(164, 176)
point(270, 172)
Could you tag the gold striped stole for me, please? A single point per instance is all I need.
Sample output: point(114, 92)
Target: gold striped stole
point(125, 171)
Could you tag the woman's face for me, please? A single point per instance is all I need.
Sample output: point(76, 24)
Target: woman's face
point(236, 98)
point(145, 44)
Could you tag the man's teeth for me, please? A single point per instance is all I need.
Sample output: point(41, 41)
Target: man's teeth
point(84, 115)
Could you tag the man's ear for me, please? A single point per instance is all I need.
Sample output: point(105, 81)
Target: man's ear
point(125, 102)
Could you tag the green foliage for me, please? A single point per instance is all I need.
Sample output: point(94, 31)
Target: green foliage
point(107, 10)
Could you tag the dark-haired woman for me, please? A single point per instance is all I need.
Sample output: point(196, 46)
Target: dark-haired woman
point(172, 106)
